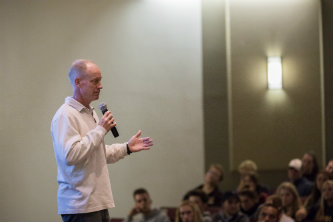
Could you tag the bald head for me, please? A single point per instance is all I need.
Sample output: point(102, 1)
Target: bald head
point(78, 69)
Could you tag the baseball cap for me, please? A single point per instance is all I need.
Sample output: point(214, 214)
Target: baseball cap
point(295, 164)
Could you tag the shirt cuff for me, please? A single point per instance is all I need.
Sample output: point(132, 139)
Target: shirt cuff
point(102, 129)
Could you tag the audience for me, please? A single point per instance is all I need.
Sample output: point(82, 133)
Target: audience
point(315, 195)
point(277, 202)
point(142, 211)
point(324, 210)
point(249, 203)
point(200, 198)
point(188, 212)
point(291, 202)
point(252, 201)
point(310, 166)
point(303, 185)
point(269, 213)
point(230, 209)
point(212, 179)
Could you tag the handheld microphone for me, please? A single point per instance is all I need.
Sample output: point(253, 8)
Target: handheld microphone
point(104, 109)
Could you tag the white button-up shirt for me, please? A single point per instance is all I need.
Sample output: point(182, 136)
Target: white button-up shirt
point(82, 157)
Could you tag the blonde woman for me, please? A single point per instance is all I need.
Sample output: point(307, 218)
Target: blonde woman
point(188, 212)
point(291, 202)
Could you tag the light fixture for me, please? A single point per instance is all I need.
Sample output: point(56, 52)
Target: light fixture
point(274, 72)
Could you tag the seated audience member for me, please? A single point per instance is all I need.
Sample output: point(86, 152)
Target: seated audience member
point(200, 198)
point(142, 211)
point(212, 179)
point(310, 166)
point(269, 213)
point(315, 195)
point(247, 167)
point(303, 185)
point(324, 210)
point(230, 209)
point(291, 202)
point(250, 182)
point(277, 202)
point(249, 203)
point(188, 212)
point(329, 168)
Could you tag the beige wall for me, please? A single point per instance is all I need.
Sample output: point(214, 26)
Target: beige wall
point(269, 123)
point(150, 56)
point(268, 126)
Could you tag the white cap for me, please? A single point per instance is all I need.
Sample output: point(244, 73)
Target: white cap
point(295, 164)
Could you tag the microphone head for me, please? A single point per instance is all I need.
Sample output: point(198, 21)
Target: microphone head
point(103, 107)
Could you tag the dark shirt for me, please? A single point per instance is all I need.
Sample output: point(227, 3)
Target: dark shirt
point(214, 197)
point(312, 212)
point(239, 217)
point(251, 213)
point(303, 186)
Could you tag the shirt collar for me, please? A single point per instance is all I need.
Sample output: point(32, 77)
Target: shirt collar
point(77, 105)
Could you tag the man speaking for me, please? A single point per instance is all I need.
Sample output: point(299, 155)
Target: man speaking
point(84, 192)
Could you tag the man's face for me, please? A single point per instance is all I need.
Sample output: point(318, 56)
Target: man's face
point(268, 214)
point(186, 213)
point(246, 202)
point(142, 202)
point(329, 167)
point(213, 176)
point(293, 174)
point(90, 83)
point(231, 207)
point(320, 179)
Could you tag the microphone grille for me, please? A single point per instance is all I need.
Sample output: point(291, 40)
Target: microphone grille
point(102, 107)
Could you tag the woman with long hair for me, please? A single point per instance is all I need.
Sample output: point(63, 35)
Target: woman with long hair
point(291, 201)
point(310, 166)
point(315, 195)
point(324, 210)
point(188, 212)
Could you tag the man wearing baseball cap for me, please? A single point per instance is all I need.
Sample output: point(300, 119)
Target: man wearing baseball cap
point(303, 185)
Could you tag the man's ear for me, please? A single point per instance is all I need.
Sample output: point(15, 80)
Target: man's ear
point(77, 82)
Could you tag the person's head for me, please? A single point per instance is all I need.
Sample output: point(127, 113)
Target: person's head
point(250, 182)
point(327, 191)
point(142, 200)
point(85, 78)
point(309, 163)
point(214, 175)
point(275, 200)
point(329, 168)
point(248, 199)
point(321, 177)
point(247, 166)
point(198, 197)
point(269, 213)
point(230, 203)
point(289, 195)
point(188, 212)
point(294, 169)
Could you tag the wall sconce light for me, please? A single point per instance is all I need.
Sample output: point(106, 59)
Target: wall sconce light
point(274, 72)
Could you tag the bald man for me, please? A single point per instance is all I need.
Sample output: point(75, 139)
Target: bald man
point(84, 191)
